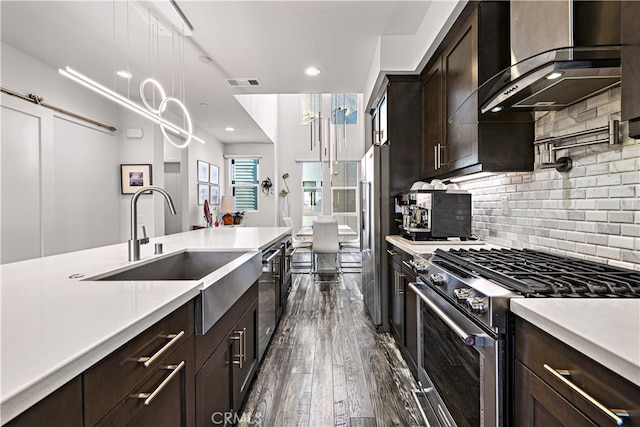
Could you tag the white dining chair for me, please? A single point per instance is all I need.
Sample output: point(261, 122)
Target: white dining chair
point(325, 242)
point(301, 248)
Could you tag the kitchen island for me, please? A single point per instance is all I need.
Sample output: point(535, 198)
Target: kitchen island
point(57, 322)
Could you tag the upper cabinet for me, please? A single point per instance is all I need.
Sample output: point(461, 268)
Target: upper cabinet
point(456, 138)
point(630, 63)
point(396, 126)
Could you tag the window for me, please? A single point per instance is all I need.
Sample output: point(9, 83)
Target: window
point(244, 183)
point(312, 192)
point(344, 193)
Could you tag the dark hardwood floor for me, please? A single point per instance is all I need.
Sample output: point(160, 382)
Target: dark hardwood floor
point(328, 366)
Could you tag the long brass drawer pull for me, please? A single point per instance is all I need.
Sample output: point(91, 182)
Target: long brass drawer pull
point(562, 374)
point(148, 397)
point(147, 361)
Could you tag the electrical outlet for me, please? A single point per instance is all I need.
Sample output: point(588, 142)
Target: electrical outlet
point(506, 211)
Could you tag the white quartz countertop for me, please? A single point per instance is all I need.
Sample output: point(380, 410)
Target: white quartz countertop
point(55, 323)
point(606, 330)
point(428, 247)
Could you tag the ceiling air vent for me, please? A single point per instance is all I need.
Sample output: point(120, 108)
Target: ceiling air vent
point(243, 82)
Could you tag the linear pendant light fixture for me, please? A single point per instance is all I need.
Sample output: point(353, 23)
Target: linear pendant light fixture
point(154, 115)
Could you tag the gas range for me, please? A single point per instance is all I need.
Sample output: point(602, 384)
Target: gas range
point(480, 282)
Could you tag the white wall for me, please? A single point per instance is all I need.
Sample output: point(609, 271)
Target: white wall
point(73, 203)
point(71, 199)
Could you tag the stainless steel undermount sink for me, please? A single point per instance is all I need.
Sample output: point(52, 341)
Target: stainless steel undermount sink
point(219, 292)
point(187, 265)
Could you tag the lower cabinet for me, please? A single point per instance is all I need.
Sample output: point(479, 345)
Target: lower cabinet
point(411, 326)
point(396, 294)
point(62, 408)
point(165, 397)
point(556, 385)
point(222, 381)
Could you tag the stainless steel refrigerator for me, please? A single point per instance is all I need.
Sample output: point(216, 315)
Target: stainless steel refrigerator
point(376, 212)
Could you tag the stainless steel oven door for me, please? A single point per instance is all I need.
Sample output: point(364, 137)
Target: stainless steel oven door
point(458, 364)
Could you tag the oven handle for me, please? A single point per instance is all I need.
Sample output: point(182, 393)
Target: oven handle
point(469, 339)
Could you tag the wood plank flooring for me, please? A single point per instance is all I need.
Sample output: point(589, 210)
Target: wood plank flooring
point(328, 366)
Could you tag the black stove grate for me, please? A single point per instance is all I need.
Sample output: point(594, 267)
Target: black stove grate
point(534, 273)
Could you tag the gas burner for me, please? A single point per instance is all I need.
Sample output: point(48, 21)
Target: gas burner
point(534, 273)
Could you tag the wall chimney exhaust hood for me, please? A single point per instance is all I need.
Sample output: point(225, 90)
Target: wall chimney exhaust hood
point(561, 52)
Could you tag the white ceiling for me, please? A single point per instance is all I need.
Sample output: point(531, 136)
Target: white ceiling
point(273, 41)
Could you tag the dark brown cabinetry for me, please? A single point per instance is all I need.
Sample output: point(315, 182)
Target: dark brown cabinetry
point(117, 376)
point(225, 375)
point(557, 385)
point(396, 122)
point(396, 294)
point(61, 408)
point(403, 314)
point(630, 62)
point(456, 139)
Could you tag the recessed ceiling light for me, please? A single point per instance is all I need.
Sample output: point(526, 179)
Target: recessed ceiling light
point(312, 71)
point(554, 75)
point(124, 74)
point(229, 129)
point(204, 104)
point(496, 109)
point(205, 59)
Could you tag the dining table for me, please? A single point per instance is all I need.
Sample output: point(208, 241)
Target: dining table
point(344, 231)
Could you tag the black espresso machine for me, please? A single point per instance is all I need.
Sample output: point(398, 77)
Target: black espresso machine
point(434, 214)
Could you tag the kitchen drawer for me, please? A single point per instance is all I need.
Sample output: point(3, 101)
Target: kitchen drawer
point(165, 398)
point(567, 371)
point(394, 254)
point(114, 377)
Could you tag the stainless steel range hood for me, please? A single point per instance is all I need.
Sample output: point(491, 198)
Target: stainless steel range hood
point(561, 52)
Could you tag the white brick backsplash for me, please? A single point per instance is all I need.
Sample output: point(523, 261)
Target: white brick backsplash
point(608, 204)
point(607, 252)
point(626, 217)
point(622, 191)
point(611, 229)
point(586, 227)
point(605, 180)
point(591, 212)
point(598, 169)
point(586, 249)
point(599, 216)
point(629, 165)
point(630, 230)
point(622, 242)
point(597, 192)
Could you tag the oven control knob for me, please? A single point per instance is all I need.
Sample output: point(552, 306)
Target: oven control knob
point(462, 294)
point(438, 279)
point(477, 304)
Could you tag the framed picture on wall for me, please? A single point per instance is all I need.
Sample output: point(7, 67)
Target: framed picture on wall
point(213, 174)
point(134, 177)
point(214, 195)
point(203, 171)
point(203, 193)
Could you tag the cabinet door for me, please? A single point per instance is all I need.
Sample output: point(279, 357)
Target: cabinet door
point(433, 144)
point(539, 405)
point(164, 398)
point(411, 328)
point(61, 408)
point(244, 354)
point(396, 301)
point(461, 112)
point(213, 389)
point(383, 129)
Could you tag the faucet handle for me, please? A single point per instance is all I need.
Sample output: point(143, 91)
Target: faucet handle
point(144, 239)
